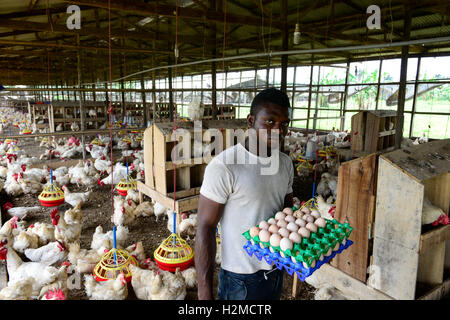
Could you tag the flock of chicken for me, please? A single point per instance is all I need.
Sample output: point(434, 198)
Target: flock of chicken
point(40, 257)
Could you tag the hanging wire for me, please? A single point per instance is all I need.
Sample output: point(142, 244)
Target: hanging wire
point(223, 59)
point(110, 108)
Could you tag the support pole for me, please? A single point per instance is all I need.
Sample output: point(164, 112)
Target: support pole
point(171, 106)
point(82, 112)
point(403, 73)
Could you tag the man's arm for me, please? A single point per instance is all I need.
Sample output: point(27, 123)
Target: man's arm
point(209, 214)
point(288, 200)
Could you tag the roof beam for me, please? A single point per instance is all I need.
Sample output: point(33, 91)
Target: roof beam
point(142, 8)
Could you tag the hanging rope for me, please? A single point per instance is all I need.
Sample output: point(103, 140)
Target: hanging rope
point(111, 108)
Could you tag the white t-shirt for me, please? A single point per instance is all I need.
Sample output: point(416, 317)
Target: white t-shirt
point(249, 197)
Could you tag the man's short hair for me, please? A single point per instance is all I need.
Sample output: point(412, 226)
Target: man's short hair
point(271, 95)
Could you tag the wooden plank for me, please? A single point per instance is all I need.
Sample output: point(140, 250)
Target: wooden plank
point(434, 237)
point(371, 133)
point(159, 159)
point(358, 131)
point(386, 133)
point(148, 157)
point(185, 193)
point(354, 205)
point(438, 292)
point(397, 230)
point(349, 286)
point(431, 265)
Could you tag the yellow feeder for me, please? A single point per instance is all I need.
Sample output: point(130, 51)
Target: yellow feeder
point(26, 131)
point(126, 140)
point(13, 148)
point(51, 196)
point(125, 185)
point(112, 264)
point(173, 253)
point(97, 142)
point(304, 163)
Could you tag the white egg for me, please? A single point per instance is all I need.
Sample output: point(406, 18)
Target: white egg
point(273, 228)
point(264, 225)
point(289, 218)
point(305, 233)
point(298, 214)
point(311, 227)
point(300, 222)
point(285, 244)
point(315, 213)
point(292, 226)
point(254, 231)
point(283, 232)
point(295, 237)
point(264, 235)
point(308, 218)
point(272, 221)
point(280, 215)
point(288, 210)
point(306, 210)
point(275, 240)
point(281, 223)
point(320, 222)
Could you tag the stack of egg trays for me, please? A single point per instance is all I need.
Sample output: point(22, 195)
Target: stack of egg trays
point(331, 239)
point(286, 262)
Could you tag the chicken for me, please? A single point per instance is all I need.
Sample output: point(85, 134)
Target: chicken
point(68, 229)
point(44, 231)
point(52, 253)
point(105, 240)
point(24, 240)
point(84, 260)
point(132, 195)
point(59, 127)
point(325, 209)
point(158, 209)
point(433, 214)
point(168, 286)
point(56, 294)
point(58, 289)
point(188, 226)
point(137, 251)
point(22, 212)
point(327, 186)
point(20, 290)
point(74, 198)
point(107, 290)
point(102, 165)
point(141, 281)
point(328, 292)
point(19, 270)
point(30, 186)
point(144, 209)
point(74, 126)
point(195, 109)
point(190, 277)
point(123, 211)
point(6, 231)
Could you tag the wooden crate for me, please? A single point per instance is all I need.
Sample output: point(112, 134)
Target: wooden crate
point(393, 256)
point(66, 112)
point(373, 130)
point(38, 111)
point(159, 168)
point(408, 256)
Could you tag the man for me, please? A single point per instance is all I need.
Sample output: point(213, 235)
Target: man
point(239, 196)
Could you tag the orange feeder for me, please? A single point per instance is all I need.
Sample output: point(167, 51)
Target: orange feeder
point(52, 195)
point(174, 253)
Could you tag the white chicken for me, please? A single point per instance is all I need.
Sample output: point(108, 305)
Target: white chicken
point(24, 240)
point(84, 260)
point(20, 290)
point(123, 211)
point(132, 195)
point(195, 109)
point(102, 240)
point(19, 270)
point(158, 209)
point(44, 231)
point(141, 281)
point(325, 209)
point(137, 251)
point(433, 214)
point(144, 209)
point(107, 290)
point(75, 198)
point(327, 186)
point(168, 286)
point(52, 253)
point(22, 212)
point(68, 229)
point(74, 126)
point(190, 277)
point(188, 225)
point(58, 289)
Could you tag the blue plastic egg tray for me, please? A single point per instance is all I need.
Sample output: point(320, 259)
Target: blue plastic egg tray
point(286, 263)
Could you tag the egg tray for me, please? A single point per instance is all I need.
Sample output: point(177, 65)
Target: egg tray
point(317, 245)
point(286, 263)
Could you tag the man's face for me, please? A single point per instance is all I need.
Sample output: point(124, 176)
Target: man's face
point(269, 117)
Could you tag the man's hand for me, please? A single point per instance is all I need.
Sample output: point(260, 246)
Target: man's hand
point(209, 214)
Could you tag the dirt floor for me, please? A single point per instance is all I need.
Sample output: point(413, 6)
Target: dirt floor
point(146, 229)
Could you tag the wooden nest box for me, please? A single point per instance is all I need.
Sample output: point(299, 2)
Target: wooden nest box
point(373, 130)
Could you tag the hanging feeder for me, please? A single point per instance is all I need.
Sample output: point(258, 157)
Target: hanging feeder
point(174, 252)
point(97, 142)
point(126, 184)
point(127, 140)
point(113, 263)
point(26, 131)
point(13, 149)
point(52, 195)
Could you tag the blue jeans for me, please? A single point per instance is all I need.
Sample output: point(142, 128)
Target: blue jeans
point(254, 286)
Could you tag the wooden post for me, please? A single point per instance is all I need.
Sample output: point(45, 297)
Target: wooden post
point(82, 111)
point(284, 44)
point(416, 87)
point(316, 109)
point(310, 90)
point(122, 86)
point(378, 86)
point(345, 96)
point(403, 73)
